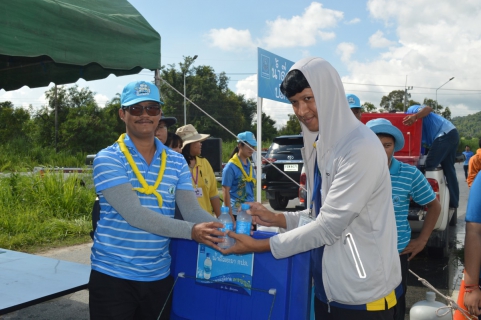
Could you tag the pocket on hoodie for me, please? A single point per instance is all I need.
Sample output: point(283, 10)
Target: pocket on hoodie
point(356, 257)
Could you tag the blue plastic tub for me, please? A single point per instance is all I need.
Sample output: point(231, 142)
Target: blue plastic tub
point(289, 277)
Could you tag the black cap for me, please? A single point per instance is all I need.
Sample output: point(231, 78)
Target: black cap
point(169, 121)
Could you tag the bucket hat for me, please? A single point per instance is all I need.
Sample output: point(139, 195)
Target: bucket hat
point(381, 125)
point(190, 135)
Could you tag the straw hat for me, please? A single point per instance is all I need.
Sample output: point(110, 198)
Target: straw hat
point(189, 135)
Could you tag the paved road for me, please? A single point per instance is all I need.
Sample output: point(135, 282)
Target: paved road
point(444, 274)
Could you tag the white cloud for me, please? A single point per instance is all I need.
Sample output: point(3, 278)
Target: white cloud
point(435, 41)
point(101, 99)
point(377, 40)
point(298, 31)
point(278, 111)
point(230, 39)
point(302, 31)
point(345, 50)
point(353, 21)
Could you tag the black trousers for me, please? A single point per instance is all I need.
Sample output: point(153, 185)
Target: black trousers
point(400, 307)
point(322, 313)
point(465, 167)
point(119, 299)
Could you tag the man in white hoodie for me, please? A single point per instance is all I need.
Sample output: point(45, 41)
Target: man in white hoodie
point(351, 227)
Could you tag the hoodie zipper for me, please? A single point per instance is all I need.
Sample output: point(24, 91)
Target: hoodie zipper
point(355, 255)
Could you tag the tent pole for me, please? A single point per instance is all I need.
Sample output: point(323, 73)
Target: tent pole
point(56, 118)
point(157, 82)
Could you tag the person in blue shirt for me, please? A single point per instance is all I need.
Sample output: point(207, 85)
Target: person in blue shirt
point(354, 104)
point(467, 155)
point(238, 176)
point(442, 139)
point(138, 181)
point(407, 182)
point(472, 250)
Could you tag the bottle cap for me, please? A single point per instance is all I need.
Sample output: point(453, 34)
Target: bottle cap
point(245, 206)
point(224, 209)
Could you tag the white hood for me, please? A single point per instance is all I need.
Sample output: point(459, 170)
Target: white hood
point(335, 117)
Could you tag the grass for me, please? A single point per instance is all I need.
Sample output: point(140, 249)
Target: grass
point(20, 156)
point(40, 211)
point(50, 210)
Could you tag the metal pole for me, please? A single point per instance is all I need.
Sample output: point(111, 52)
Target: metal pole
point(185, 108)
point(259, 150)
point(185, 112)
point(437, 92)
point(56, 120)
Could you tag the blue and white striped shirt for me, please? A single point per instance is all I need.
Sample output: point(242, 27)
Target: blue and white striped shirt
point(119, 249)
point(407, 182)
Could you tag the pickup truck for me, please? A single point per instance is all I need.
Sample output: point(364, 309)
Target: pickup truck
point(281, 174)
point(414, 154)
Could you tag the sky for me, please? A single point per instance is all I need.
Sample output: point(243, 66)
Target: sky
point(377, 46)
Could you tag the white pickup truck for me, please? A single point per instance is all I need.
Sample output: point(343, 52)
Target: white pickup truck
point(438, 244)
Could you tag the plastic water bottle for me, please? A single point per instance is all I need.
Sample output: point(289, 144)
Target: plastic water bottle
point(207, 266)
point(226, 220)
point(244, 221)
point(426, 309)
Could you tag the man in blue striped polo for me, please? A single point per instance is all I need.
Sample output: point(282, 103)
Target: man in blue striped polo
point(407, 182)
point(138, 181)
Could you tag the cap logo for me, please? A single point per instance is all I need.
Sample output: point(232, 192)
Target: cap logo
point(142, 90)
point(351, 100)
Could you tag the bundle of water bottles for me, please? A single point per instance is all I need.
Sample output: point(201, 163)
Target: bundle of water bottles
point(243, 224)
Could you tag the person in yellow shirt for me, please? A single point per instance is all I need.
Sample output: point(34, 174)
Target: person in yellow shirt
point(203, 178)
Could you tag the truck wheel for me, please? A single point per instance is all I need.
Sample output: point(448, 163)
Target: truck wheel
point(454, 218)
point(279, 203)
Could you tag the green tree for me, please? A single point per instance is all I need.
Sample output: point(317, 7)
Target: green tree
point(292, 126)
point(12, 122)
point(210, 92)
point(437, 108)
point(111, 116)
point(269, 131)
point(446, 113)
point(83, 125)
point(413, 103)
point(393, 101)
point(368, 107)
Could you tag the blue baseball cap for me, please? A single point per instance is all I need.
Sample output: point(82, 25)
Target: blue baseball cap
point(138, 91)
point(381, 125)
point(247, 137)
point(353, 100)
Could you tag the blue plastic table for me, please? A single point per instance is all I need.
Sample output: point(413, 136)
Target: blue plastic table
point(27, 279)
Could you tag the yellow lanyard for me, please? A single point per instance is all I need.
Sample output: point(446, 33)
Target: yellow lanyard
point(235, 160)
point(146, 189)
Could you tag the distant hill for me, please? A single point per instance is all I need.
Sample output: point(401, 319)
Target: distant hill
point(468, 126)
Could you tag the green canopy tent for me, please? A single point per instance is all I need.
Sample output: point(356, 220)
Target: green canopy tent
point(60, 41)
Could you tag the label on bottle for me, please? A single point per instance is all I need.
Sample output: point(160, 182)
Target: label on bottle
point(243, 227)
point(227, 227)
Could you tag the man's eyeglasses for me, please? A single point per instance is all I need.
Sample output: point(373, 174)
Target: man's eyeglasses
point(137, 109)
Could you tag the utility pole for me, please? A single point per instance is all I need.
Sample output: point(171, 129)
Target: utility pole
point(185, 105)
point(406, 97)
